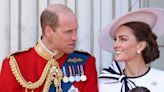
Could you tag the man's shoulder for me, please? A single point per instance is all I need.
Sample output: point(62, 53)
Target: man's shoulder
point(82, 52)
point(20, 52)
point(79, 56)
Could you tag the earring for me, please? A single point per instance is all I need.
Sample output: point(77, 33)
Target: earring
point(138, 51)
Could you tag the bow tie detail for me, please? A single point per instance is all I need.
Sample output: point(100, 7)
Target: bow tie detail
point(115, 74)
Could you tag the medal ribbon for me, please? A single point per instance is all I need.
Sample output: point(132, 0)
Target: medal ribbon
point(73, 70)
point(64, 71)
point(81, 69)
point(70, 70)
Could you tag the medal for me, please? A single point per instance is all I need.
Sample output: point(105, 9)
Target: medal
point(77, 78)
point(77, 74)
point(82, 77)
point(71, 78)
point(65, 78)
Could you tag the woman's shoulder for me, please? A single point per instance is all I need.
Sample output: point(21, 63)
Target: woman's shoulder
point(154, 70)
point(157, 73)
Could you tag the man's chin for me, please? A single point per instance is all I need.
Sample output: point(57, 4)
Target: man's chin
point(69, 51)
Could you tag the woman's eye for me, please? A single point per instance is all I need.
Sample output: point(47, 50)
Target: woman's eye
point(115, 39)
point(123, 39)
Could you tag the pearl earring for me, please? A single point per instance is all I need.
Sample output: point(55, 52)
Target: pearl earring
point(138, 51)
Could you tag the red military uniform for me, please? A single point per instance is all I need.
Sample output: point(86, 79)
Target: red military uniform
point(31, 64)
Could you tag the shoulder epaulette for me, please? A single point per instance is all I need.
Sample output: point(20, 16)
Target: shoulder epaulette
point(82, 52)
point(17, 52)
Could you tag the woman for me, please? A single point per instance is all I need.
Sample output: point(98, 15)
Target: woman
point(135, 36)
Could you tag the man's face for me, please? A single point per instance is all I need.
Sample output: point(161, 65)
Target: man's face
point(65, 35)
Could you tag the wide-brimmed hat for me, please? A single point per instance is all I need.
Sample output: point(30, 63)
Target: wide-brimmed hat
point(154, 17)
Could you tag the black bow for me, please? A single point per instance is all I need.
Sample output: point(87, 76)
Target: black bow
point(115, 74)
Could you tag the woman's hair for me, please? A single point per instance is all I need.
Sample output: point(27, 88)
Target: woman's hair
point(139, 89)
point(143, 32)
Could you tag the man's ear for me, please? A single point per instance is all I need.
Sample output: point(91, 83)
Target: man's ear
point(141, 46)
point(48, 31)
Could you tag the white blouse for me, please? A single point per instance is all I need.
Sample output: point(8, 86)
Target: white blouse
point(153, 79)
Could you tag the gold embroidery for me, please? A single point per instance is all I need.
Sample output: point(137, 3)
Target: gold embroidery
point(74, 60)
point(43, 52)
point(54, 71)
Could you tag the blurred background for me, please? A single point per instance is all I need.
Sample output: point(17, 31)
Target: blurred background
point(20, 25)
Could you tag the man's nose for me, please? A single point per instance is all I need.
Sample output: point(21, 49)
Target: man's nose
point(74, 36)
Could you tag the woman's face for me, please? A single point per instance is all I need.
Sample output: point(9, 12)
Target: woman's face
point(125, 44)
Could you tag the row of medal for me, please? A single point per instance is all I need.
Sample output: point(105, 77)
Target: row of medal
point(73, 73)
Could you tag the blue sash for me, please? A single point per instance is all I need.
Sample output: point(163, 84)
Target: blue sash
point(74, 59)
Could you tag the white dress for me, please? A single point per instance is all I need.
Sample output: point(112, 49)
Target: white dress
point(153, 79)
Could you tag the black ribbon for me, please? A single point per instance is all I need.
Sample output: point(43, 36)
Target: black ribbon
point(115, 74)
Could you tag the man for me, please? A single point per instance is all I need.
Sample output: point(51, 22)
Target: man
point(52, 65)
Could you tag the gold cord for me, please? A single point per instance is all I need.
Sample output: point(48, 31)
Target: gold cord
point(29, 85)
point(47, 76)
point(58, 77)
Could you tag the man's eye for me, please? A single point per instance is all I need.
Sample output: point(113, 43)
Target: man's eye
point(69, 31)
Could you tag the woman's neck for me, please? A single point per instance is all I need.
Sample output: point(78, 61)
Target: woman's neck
point(135, 68)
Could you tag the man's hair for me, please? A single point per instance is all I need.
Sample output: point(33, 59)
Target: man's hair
point(50, 15)
point(48, 18)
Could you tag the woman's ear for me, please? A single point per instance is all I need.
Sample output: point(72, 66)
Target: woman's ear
point(141, 46)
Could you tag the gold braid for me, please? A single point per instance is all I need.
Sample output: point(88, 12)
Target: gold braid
point(48, 81)
point(29, 85)
point(50, 77)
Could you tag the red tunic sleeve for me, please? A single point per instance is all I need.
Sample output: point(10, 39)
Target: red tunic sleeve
point(8, 83)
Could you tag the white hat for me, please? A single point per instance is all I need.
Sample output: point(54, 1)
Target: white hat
point(154, 17)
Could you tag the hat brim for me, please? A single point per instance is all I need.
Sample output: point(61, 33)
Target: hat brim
point(154, 17)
